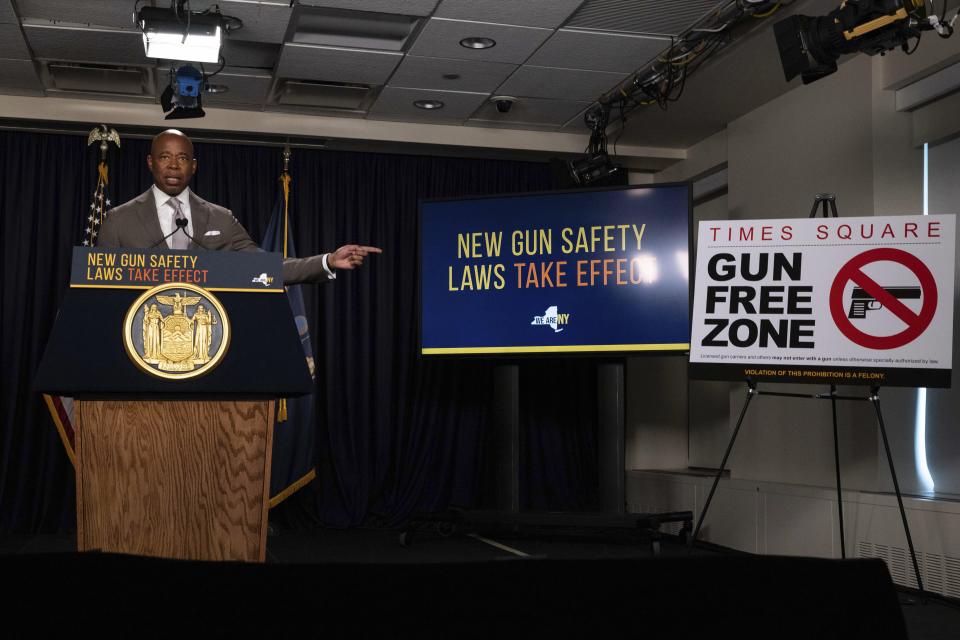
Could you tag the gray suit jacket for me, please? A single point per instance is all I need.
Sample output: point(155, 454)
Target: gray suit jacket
point(135, 225)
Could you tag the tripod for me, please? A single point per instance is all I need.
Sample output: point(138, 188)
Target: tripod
point(873, 398)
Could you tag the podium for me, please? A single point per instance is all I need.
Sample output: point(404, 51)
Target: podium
point(174, 360)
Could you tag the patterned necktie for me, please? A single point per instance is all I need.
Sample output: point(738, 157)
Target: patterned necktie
point(179, 240)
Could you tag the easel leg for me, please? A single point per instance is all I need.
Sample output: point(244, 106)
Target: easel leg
point(751, 391)
point(836, 457)
point(875, 399)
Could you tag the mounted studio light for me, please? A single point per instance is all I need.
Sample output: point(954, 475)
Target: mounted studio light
point(596, 164)
point(181, 98)
point(180, 34)
point(810, 46)
point(589, 169)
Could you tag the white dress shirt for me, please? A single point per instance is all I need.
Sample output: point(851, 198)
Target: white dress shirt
point(165, 211)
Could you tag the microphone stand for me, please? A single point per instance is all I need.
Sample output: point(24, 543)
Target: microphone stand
point(181, 226)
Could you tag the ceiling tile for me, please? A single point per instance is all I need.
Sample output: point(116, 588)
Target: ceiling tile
point(404, 7)
point(262, 21)
point(7, 14)
point(19, 74)
point(441, 38)
point(103, 97)
point(398, 102)
point(12, 45)
point(86, 44)
point(325, 95)
point(571, 49)
point(224, 104)
point(308, 62)
point(533, 111)
point(104, 13)
point(314, 111)
point(346, 29)
point(559, 84)
point(72, 77)
point(240, 53)
point(529, 13)
point(662, 17)
point(431, 73)
point(242, 89)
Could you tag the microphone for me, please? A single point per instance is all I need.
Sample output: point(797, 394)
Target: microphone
point(181, 226)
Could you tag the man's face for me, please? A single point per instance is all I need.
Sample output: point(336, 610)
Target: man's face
point(172, 163)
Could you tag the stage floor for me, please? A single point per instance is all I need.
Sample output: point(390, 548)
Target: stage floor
point(935, 620)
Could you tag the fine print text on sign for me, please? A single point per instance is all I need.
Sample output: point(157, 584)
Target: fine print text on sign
point(839, 300)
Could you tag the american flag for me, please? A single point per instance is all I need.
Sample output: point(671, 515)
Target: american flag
point(61, 411)
point(61, 407)
point(99, 205)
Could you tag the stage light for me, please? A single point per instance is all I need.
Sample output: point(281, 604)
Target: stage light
point(180, 34)
point(588, 170)
point(810, 46)
point(181, 99)
point(596, 164)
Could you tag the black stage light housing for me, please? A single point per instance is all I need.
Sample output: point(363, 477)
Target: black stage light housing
point(591, 168)
point(810, 46)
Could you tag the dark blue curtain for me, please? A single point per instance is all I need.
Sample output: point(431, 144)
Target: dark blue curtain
point(396, 434)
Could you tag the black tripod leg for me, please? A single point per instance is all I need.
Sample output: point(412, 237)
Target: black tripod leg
point(751, 391)
point(836, 457)
point(875, 399)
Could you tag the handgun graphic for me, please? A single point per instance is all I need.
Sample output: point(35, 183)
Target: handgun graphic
point(863, 301)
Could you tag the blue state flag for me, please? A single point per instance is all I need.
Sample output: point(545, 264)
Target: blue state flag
point(294, 462)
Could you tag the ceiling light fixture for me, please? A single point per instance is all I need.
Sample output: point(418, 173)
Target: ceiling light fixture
point(180, 34)
point(428, 104)
point(478, 43)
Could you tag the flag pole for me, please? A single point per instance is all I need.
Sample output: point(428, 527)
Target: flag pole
point(285, 179)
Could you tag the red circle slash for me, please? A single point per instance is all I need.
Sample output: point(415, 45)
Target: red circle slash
point(916, 323)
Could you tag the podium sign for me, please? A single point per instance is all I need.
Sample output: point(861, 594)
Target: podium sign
point(247, 271)
point(133, 322)
point(825, 300)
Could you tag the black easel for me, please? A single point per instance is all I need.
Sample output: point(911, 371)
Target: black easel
point(823, 201)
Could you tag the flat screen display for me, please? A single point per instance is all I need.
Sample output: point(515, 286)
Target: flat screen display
point(581, 271)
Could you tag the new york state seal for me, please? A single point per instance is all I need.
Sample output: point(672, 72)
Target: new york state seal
point(176, 331)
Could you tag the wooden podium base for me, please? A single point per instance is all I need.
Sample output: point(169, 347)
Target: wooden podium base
point(174, 479)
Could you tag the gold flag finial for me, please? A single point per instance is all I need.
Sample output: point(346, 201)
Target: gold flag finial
point(104, 135)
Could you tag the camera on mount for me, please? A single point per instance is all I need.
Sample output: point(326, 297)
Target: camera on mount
point(504, 103)
point(810, 46)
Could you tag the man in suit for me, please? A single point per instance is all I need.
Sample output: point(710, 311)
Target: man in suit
point(169, 208)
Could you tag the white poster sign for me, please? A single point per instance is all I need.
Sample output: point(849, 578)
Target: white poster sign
point(836, 300)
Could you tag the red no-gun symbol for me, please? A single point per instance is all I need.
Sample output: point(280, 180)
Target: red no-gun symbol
point(916, 323)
